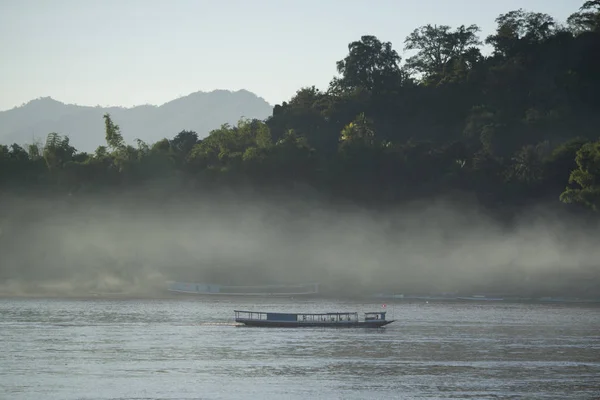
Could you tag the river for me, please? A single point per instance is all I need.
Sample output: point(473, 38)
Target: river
point(190, 348)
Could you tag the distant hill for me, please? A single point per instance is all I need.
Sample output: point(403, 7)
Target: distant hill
point(200, 112)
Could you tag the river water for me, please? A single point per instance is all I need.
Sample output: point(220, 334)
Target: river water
point(190, 348)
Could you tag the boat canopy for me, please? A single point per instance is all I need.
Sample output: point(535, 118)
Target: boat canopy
point(374, 315)
point(274, 316)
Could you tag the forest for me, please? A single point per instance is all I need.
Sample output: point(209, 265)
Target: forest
point(517, 127)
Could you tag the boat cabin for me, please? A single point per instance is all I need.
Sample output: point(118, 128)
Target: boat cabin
point(287, 317)
point(372, 316)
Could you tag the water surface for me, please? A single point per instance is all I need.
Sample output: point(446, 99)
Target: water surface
point(190, 348)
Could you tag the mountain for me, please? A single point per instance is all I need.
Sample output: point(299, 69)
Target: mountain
point(200, 112)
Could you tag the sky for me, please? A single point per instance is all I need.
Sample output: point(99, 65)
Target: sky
point(134, 52)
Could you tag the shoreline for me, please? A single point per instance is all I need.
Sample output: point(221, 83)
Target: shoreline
point(546, 300)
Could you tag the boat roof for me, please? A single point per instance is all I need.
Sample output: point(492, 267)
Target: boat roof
point(282, 313)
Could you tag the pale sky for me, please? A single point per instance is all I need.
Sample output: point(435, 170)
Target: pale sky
point(133, 52)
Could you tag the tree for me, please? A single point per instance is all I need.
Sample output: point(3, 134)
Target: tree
point(482, 129)
point(527, 163)
point(587, 19)
point(18, 154)
point(114, 139)
point(586, 176)
point(518, 29)
point(311, 114)
point(438, 46)
point(370, 64)
point(35, 151)
point(561, 162)
point(255, 133)
point(292, 158)
point(463, 122)
point(183, 142)
point(57, 151)
point(359, 132)
point(224, 148)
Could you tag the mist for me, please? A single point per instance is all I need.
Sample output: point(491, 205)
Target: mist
point(133, 243)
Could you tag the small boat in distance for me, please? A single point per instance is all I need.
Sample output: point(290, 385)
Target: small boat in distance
point(479, 297)
point(301, 320)
point(282, 290)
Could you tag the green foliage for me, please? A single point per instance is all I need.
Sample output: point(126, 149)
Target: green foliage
point(114, 139)
point(358, 133)
point(224, 148)
point(587, 19)
point(440, 50)
point(586, 177)
point(512, 128)
point(527, 163)
point(57, 151)
point(183, 143)
point(517, 29)
point(370, 64)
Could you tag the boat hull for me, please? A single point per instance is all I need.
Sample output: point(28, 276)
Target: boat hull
point(315, 324)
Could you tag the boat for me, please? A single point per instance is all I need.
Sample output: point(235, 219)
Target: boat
point(302, 320)
point(425, 297)
point(565, 300)
point(308, 289)
point(478, 297)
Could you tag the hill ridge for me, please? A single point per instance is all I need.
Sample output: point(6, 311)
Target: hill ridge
point(198, 111)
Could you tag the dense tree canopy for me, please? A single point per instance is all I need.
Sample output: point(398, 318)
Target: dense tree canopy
point(516, 127)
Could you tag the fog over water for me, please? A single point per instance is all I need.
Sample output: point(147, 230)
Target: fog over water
point(134, 242)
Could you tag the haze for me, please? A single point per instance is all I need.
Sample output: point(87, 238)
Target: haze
point(59, 236)
point(131, 244)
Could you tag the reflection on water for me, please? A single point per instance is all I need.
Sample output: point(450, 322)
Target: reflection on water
point(191, 348)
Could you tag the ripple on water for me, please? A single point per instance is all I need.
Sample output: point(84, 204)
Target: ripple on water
point(178, 349)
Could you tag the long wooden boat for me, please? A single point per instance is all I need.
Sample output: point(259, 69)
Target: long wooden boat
point(302, 320)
